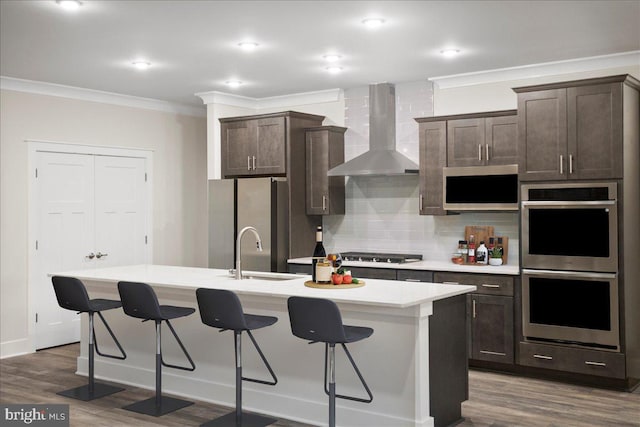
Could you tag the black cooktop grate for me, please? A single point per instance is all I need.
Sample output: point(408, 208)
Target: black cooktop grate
point(392, 258)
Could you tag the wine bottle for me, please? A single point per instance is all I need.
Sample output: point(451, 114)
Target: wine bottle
point(319, 253)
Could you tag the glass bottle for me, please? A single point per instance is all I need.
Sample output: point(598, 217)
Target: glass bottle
point(319, 254)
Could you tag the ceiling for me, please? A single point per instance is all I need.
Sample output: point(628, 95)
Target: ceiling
point(193, 45)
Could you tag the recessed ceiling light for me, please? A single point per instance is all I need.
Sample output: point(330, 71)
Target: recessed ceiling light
point(332, 57)
point(69, 4)
point(449, 53)
point(141, 65)
point(334, 69)
point(233, 83)
point(373, 22)
point(248, 46)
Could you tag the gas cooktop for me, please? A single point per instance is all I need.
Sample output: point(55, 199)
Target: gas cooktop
point(380, 257)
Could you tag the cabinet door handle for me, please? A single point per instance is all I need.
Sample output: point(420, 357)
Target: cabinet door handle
point(493, 353)
point(100, 255)
point(421, 201)
point(324, 203)
point(487, 151)
point(248, 163)
point(450, 283)
point(601, 364)
point(484, 285)
point(479, 152)
point(540, 356)
point(561, 162)
point(90, 256)
point(254, 162)
point(473, 308)
point(570, 164)
point(411, 280)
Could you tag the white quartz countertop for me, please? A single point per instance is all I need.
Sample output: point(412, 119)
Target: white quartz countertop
point(388, 293)
point(509, 269)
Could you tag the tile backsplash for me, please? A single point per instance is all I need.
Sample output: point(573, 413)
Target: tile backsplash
point(382, 212)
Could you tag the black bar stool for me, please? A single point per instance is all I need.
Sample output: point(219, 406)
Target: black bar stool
point(319, 320)
point(139, 300)
point(222, 309)
point(72, 295)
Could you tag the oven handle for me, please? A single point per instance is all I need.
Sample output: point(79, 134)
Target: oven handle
point(554, 203)
point(562, 273)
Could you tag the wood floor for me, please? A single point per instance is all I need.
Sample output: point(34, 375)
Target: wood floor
point(495, 400)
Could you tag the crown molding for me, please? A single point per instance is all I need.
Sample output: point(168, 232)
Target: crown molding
point(52, 89)
point(615, 60)
point(284, 101)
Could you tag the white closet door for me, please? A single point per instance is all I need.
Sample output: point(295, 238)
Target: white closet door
point(120, 211)
point(65, 224)
point(91, 213)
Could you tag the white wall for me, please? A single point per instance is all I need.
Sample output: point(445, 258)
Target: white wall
point(179, 188)
point(500, 96)
point(333, 111)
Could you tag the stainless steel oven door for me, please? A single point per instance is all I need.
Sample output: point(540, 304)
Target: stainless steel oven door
point(571, 307)
point(570, 235)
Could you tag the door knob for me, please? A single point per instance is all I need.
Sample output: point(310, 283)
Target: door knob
point(91, 255)
point(100, 255)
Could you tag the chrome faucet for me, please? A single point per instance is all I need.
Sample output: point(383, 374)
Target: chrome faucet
point(239, 248)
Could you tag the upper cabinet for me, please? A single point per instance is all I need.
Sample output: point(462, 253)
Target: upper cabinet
point(483, 141)
point(324, 151)
point(575, 130)
point(432, 158)
point(261, 145)
point(477, 139)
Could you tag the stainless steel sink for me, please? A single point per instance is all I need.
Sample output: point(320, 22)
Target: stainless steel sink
point(265, 275)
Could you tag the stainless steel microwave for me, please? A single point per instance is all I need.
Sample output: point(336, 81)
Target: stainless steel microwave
point(481, 188)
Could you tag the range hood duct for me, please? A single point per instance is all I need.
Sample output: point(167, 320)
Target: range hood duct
point(382, 157)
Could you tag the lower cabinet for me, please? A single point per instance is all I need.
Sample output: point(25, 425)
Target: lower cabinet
point(491, 328)
point(490, 313)
point(569, 359)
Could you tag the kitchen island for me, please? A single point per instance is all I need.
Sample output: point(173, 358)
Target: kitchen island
point(415, 363)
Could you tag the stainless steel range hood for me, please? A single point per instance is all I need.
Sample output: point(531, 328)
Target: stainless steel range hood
point(382, 157)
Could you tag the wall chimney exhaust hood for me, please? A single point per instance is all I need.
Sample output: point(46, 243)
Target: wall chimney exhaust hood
point(382, 157)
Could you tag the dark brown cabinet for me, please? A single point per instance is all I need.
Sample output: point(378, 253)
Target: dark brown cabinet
point(433, 157)
point(324, 150)
point(572, 130)
point(483, 141)
point(478, 139)
point(262, 145)
point(491, 328)
point(490, 312)
point(254, 147)
point(572, 359)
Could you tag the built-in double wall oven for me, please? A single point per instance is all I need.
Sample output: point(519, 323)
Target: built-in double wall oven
point(570, 264)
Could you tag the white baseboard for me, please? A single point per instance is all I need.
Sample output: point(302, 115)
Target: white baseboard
point(14, 348)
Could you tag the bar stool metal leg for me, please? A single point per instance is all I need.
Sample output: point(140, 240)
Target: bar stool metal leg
point(239, 418)
point(332, 385)
point(158, 405)
point(92, 390)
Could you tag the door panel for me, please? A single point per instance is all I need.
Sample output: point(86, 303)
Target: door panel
point(120, 211)
point(237, 147)
point(465, 142)
point(317, 167)
point(502, 137)
point(270, 146)
point(64, 193)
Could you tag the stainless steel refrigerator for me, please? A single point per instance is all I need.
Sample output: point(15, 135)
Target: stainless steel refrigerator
point(259, 202)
